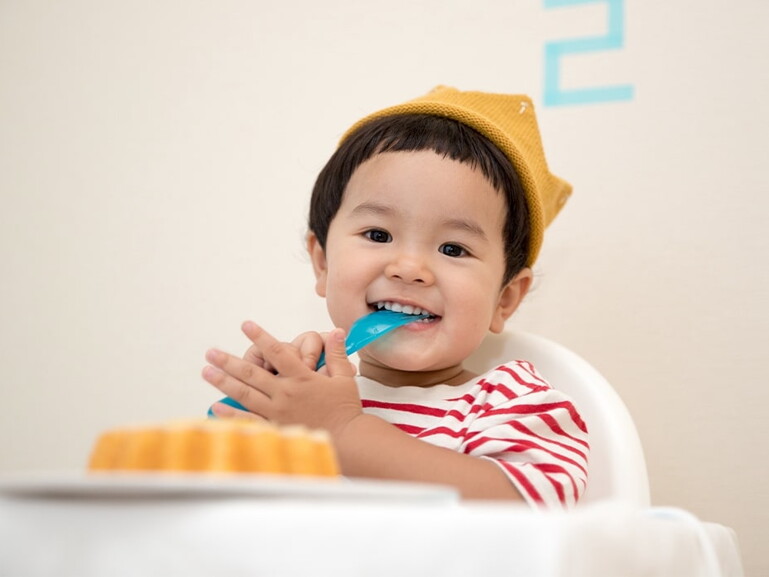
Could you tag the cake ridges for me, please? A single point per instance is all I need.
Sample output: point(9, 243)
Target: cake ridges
point(215, 446)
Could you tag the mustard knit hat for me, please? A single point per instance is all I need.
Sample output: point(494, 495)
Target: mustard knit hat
point(508, 121)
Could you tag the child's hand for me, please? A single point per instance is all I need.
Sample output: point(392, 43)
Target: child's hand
point(297, 394)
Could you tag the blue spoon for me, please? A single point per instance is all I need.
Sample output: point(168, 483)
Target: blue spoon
point(362, 332)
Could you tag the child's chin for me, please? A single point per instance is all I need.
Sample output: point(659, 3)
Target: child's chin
point(401, 362)
point(389, 359)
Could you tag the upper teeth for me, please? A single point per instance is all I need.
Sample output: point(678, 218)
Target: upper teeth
point(399, 308)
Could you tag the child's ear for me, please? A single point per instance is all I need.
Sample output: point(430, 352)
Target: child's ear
point(319, 265)
point(510, 297)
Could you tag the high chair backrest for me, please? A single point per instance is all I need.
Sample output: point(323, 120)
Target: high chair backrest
point(617, 468)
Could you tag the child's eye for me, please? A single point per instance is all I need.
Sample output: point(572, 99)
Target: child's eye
point(453, 250)
point(377, 235)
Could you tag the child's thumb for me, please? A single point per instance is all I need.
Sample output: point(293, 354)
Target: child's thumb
point(336, 355)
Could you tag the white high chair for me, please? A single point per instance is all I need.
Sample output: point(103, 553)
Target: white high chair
point(617, 468)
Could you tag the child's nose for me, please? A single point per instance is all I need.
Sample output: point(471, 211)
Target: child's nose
point(409, 268)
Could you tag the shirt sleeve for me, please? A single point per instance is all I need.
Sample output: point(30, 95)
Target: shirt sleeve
point(532, 432)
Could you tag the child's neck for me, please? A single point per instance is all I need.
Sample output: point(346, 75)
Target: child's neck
point(454, 375)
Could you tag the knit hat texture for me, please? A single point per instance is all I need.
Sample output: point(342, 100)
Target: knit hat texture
point(508, 121)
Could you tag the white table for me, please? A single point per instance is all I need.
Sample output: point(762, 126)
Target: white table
point(403, 532)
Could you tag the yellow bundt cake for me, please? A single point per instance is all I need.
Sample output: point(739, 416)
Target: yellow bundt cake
point(216, 445)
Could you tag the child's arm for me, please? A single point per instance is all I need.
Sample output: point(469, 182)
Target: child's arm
point(367, 446)
point(372, 447)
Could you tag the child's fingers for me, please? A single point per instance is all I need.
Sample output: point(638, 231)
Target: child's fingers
point(225, 411)
point(253, 398)
point(243, 371)
point(254, 355)
point(310, 347)
point(337, 361)
point(281, 356)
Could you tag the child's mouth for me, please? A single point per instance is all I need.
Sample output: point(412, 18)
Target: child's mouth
point(406, 309)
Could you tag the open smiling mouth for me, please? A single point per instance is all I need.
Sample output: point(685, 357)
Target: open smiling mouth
point(407, 309)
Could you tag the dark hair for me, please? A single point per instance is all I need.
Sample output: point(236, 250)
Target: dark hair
point(444, 136)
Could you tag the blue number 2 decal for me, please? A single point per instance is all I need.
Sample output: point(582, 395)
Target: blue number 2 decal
point(555, 51)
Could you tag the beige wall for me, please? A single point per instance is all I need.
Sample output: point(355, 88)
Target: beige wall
point(155, 163)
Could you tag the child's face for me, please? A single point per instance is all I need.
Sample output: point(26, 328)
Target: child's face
point(418, 229)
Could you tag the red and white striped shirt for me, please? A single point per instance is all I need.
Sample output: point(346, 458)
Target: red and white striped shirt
point(509, 415)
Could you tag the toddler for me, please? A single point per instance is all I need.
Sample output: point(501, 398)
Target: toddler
point(435, 207)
